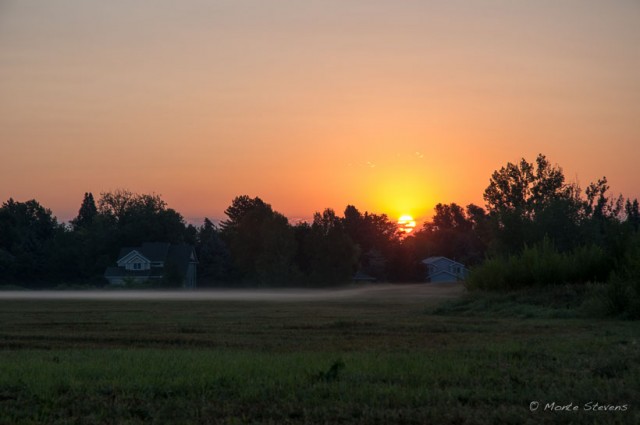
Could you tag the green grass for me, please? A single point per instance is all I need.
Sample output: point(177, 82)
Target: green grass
point(351, 361)
point(566, 301)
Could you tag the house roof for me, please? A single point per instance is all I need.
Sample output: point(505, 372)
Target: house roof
point(179, 256)
point(133, 255)
point(434, 260)
point(153, 251)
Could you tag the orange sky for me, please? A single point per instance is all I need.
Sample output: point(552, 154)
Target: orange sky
point(390, 106)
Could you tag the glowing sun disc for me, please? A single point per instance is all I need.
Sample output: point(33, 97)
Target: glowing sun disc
point(406, 223)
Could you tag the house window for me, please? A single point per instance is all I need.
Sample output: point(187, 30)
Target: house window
point(137, 266)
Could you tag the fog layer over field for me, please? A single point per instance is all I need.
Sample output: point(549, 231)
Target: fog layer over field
point(368, 292)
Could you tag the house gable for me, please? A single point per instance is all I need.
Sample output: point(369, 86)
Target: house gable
point(134, 260)
point(443, 276)
point(442, 268)
point(150, 260)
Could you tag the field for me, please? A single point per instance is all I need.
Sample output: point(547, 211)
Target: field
point(382, 355)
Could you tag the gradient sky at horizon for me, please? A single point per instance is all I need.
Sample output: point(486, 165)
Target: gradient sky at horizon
point(389, 106)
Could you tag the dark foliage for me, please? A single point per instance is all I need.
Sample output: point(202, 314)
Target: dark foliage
point(537, 229)
point(87, 214)
point(27, 231)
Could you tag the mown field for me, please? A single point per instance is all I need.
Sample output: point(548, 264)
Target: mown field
point(380, 357)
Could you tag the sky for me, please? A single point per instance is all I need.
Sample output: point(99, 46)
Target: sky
point(391, 106)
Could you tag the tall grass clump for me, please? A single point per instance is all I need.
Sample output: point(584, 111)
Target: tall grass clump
point(539, 265)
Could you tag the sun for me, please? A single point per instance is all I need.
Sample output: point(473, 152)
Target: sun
point(406, 223)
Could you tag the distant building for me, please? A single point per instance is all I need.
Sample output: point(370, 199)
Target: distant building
point(155, 261)
point(361, 276)
point(442, 269)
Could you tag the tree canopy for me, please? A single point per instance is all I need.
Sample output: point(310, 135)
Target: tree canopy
point(528, 205)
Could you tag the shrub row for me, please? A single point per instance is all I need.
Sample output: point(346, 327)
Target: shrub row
point(542, 264)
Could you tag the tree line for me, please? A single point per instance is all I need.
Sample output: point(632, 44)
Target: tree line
point(531, 210)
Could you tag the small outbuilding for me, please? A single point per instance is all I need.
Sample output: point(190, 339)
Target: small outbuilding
point(443, 269)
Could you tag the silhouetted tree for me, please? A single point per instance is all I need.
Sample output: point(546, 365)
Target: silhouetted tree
point(241, 232)
point(239, 208)
point(138, 218)
point(455, 233)
point(87, 213)
point(191, 235)
point(305, 249)
point(117, 204)
point(633, 213)
point(449, 217)
point(527, 202)
point(603, 217)
point(26, 232)
point(275, 264)
point(404, 263)
point(532, 213)
point(67, 260)
point(597, 200)
point(213, 255)
point(333, 256)
point(377, 238)
point(522, 189)
point(261, 242)
point(353, 223)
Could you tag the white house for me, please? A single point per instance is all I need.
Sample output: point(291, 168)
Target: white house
point(152, 261)
point(442, 269)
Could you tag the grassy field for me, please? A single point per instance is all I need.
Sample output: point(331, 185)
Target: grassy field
point(391, 355)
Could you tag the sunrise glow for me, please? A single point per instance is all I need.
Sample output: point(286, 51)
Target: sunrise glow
point(278, 209)
point(389, 106)
point(406, 223)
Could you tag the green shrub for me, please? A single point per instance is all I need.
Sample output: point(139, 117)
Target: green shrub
point(490, 275)
point(539, 265)
point(590, 264)
point(617, 298)
point(621, 295)
point(132, 283)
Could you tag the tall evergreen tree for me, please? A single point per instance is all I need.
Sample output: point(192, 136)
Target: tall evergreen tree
point(87, 213)
point(239, 208)
point(213, 254)
point(632, 209)
point(261, 242)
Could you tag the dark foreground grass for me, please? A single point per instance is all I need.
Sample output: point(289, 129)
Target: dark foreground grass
point(349, 361)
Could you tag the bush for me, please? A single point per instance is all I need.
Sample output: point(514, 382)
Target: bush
point(622, 293)
point(590, 264)
point(617, 298)
point(132, 283)
point(490, 275)
point(539, 265)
